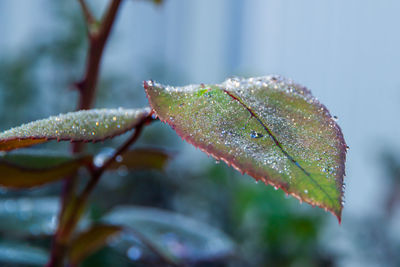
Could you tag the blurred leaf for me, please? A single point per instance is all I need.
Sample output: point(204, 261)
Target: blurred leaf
point(31, 216)
point(85, 125)
point(25, 216)
point(90, 241)
point(267, 127)
point(174, 236)
point(25, 170)
point(142, 158)
point(17, 253)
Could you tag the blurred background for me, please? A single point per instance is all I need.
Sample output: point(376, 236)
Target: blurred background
point(346, 52)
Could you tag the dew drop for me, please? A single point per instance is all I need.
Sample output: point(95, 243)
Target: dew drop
point(306, 191)
point(276, 188)
point(134, 253)
point(254, 134)
point(100, 158)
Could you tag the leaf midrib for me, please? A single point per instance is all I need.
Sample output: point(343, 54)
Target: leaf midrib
point(276, 141)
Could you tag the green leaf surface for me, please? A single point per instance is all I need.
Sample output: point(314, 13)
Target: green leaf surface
point(35, 168)
point(268, 127)
point(142, 159)
point(176, 237)
point(16, 254)
point(90, 241)
point(85, 125)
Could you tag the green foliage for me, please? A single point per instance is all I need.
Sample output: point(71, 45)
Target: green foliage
point(142, 159)
point(267, 127)
point(176, 237)
point(86, 125)
point(25, 170)
point(90, 241)
point(22, 254)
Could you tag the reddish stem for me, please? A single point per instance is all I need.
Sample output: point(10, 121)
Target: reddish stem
point(87, 91)
point(98, 40)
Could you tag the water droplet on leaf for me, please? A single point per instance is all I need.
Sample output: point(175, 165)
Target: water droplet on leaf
point(254, 134)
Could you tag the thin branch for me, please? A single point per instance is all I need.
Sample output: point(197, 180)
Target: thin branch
point(99, 171)
point(90, 19)
point(109, 18)
point(96, 175)
point(87, 86)
point(87, 92)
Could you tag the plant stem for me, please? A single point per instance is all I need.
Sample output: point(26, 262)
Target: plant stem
point(87, 91)
point(99, 171)
point(96, 173)
point(98, 40)
point(90, 20)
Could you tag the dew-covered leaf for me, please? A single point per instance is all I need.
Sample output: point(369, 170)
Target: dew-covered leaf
point(85, 125)
point(29, 169)
point(176, 237)
point(16, 254)
point(268, 127)
point(90, 241)
point(142, 159)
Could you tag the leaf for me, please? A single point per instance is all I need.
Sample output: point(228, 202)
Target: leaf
point(90, 241)
point(26, 217)
point(31, 216)
point(18, 253)
point(142, 159)
point(26, 170)
point(176, 237)
point(268, 127)
point(85, 125)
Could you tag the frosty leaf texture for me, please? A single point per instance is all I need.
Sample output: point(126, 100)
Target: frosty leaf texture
point(268, 127)
point(86, 125)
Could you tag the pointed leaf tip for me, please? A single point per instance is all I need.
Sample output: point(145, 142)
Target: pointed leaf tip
point(85, 125)
point(269, 127)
